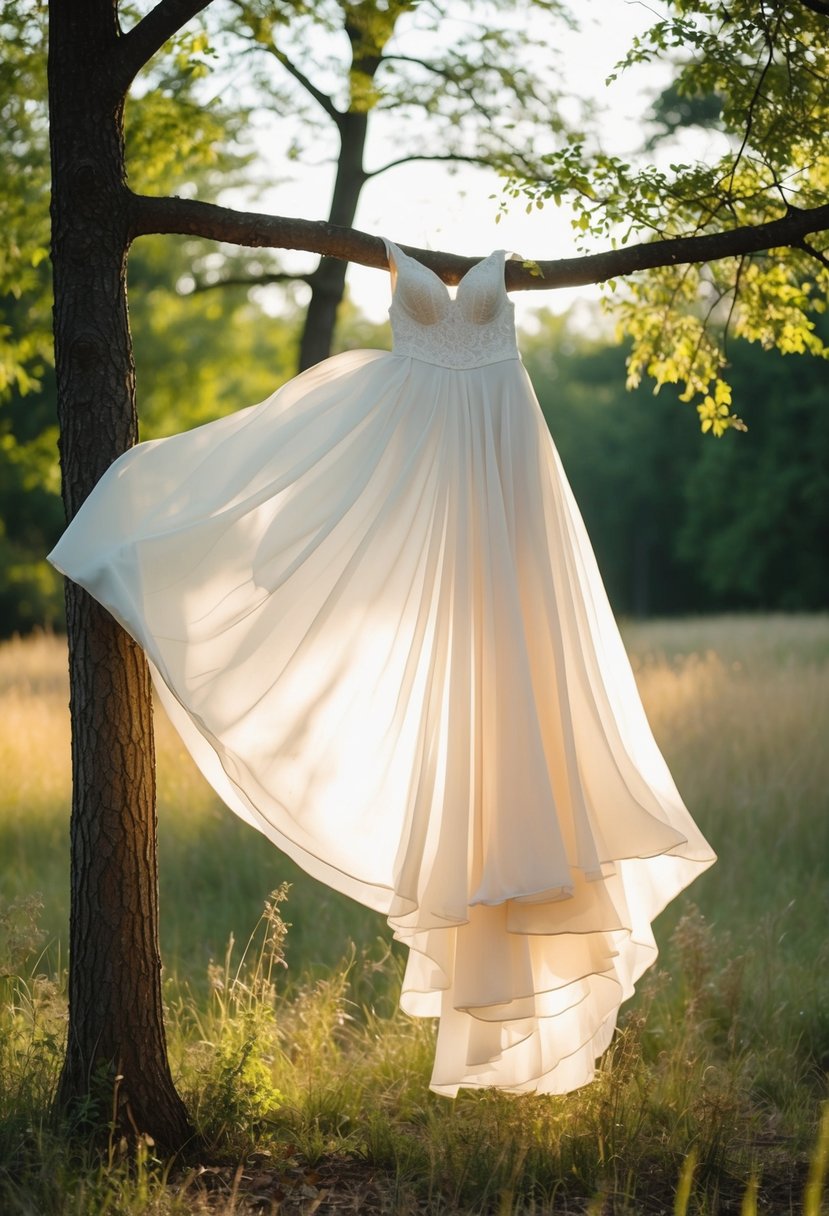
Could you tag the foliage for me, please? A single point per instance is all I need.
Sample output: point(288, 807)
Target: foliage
point(24, 219)
point(28, 431)
point(755, 527)
point(765, 67)
point(196, 355)
point(680, 525)
point(464, 68)
point(175, 137)
point(199, 355)
point(238, 1033)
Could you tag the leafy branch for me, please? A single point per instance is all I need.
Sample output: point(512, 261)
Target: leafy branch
point(762, 70)
point(257, 230)
point(138, 45)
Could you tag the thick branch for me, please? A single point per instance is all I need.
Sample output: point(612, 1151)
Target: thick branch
point(140, 43)
point(192, 218)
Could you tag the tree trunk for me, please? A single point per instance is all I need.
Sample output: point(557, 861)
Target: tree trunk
point(328, 280)
point(116, 1068)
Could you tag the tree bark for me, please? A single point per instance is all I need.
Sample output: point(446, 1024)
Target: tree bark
point(190, 217)
point(328, 280)
point(116, 1069)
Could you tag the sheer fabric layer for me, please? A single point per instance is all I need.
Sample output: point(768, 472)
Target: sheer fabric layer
point(374, 615)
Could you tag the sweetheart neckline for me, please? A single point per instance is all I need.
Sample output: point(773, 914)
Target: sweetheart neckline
point(450, 298)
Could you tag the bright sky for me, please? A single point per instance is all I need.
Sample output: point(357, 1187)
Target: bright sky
point(435, 207)
point(430, 206)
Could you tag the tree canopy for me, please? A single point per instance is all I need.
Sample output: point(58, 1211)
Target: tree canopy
point(752, 77)
point(696, 251)
point(732, 245)
point(763, 69)
point(363, 82)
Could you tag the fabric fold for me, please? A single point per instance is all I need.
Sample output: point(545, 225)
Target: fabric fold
point(373, 614)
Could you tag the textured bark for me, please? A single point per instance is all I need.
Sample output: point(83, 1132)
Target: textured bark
point(257, 230)
point(328, 280)
point(116, 1065)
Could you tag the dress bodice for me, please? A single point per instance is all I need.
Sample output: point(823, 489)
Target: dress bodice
point(472, 329)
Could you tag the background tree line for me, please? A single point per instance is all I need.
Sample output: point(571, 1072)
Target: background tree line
point(651, 488)
point(652, 493)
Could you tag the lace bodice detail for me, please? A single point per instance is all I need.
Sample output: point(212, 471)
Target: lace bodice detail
point(475, 328)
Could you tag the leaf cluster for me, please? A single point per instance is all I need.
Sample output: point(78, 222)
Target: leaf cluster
point(24, 219)
point(758, 75)
point(471, 69)
point(181, 135)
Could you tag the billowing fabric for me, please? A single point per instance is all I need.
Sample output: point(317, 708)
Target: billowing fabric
point(374, 615)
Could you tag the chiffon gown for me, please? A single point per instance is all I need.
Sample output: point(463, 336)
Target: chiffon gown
point(373, 613)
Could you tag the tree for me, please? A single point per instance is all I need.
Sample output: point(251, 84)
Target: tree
point(738, 524)
point(755, 524)
point(472, 92)
point(175, 140)
point(765, 68)
point(116, 1036)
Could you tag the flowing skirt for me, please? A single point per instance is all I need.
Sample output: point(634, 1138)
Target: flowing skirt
point(373, 613)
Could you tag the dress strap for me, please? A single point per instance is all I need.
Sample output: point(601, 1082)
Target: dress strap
point(393, 253)
point(397, 259)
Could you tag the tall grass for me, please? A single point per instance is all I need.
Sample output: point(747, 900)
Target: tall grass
point(303, 1074)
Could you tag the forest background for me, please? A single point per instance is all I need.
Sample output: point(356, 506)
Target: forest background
point(680, 523)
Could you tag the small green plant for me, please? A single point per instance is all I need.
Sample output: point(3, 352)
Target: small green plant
point(238, 1034)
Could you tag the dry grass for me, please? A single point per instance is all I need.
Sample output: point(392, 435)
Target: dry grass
point(304, 1077)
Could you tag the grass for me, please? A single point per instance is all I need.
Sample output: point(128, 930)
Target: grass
point(311, 1088)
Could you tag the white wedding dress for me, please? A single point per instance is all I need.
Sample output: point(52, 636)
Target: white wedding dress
point(373, 613)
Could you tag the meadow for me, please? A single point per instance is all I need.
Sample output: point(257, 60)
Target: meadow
point(310, 1088)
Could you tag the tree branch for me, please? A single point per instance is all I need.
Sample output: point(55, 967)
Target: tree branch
point(253, 280)
point(190, 217)
point(438, 69)
point(322, 99)
point(138, 45)
point(817, 254)
point(484, 161)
